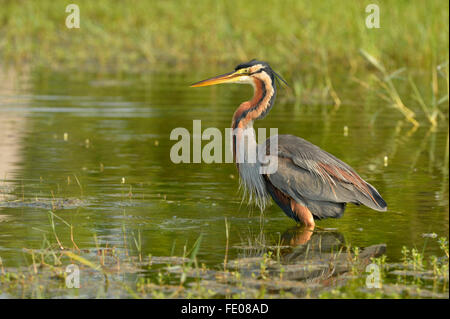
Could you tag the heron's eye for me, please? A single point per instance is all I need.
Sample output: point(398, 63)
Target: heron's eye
point(243, 71)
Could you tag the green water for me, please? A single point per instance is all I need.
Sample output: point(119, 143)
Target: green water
point(117, 146)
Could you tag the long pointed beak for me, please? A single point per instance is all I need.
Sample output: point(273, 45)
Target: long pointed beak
point(224, 78)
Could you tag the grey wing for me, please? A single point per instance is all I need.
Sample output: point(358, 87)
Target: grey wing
point(319, 180)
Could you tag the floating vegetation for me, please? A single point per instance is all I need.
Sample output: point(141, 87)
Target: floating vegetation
point(324, 267)
point(44, 203)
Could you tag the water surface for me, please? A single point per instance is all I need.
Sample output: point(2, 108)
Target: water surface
point(99, 146)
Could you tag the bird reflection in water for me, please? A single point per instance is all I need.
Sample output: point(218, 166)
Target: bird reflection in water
point(304, 243)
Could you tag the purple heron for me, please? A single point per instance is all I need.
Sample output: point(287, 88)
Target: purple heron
point(309, 183)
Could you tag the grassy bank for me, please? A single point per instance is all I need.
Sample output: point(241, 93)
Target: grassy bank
point(316, 46)
point(293, 35)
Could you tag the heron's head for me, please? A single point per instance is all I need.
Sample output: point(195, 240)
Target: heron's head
point(244, 73)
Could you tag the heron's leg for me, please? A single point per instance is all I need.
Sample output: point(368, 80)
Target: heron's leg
point(303, 214)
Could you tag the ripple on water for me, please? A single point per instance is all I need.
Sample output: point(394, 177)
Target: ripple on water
point(176, 223)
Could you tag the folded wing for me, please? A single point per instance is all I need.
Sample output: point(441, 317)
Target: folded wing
point(318, 180)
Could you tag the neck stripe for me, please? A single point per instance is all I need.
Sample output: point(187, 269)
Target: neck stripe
point(261, 103)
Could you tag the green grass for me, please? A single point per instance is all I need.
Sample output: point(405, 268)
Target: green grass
point(294, 36)
point(315, 46)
